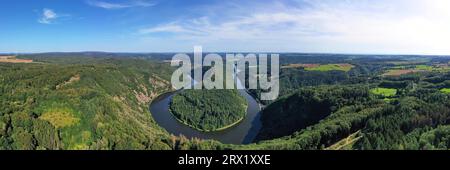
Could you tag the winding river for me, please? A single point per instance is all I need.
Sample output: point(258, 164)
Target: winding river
point(242, 133)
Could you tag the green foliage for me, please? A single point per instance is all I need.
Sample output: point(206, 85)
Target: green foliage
point(342, 107)
point(60, 117)
point(438, 138)
point(306, 107)
point(209, 110)
point(384, 92)
point(101, 110)
point(76, 101)
point(403, 123)
point(424, 67)
point(23, 140)
point(293, 79)
point(46, 135)
point(445, 90)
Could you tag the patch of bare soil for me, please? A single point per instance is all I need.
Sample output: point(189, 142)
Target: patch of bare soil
point(73, 79)
point(13, 59)
point(400, 72)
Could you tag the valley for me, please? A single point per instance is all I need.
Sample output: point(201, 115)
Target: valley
point(73, 101)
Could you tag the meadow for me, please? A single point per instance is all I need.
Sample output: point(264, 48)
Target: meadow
point(445, 90)
point(385, 92)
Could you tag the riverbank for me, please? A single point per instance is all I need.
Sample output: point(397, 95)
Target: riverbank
point(240, 132)
point(165, 93)
point(256, 98)
point(202, 130)
point(209, 110)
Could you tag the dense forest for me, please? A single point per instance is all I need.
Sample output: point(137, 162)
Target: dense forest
point(306, 107)
point(209, 110)
point(97, 103)
point(101, 101)
point(408, 111)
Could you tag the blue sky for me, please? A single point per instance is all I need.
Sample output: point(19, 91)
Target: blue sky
point(323, 26)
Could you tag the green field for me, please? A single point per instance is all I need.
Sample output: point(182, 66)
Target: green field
point(438, 68)
point(407, 69)
point(425, 67)
point(445, 90)
point(331, 67)
point(385, 92)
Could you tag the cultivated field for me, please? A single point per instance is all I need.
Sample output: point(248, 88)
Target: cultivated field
point(408, 69)
point(13, 59)
point(322, 67)
point(400, 72)
point(301, 66)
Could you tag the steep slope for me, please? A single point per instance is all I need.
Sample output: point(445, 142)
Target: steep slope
point(103, 105)
point(305, 108)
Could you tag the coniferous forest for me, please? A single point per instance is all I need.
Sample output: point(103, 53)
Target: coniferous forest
point(209, 110)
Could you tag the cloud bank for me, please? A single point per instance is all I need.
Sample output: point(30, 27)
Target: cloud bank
point(351, 26)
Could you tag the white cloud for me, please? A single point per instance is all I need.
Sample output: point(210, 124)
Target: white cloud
point(129, 4)
point(173, 27)
point(352, 26)
point(47, 16)
point(164, 28)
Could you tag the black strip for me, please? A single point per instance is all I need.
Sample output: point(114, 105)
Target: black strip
point(278, 159)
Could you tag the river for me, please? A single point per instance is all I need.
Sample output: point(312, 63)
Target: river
point(242, 133)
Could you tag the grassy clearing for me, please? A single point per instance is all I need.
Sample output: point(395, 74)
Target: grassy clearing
point(424, 67)
point(331, 67)
point(385, 92)
point(408, 69)
point(445, 90)
point(60, 117)
point(437, 67)
point(300, 66)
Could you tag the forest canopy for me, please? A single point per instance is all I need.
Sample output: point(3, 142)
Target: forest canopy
point(77, 101)
point(209, 110)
